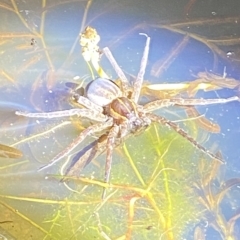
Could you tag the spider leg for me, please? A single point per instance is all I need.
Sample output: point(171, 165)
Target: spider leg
point(149, 107)
point(110, 145)
point(139, 80)
point(88, 113)
point(88, 131)
point(117, 69)
point(79, 161)
point(88, 104)
point(184, 134)
point(85, 156)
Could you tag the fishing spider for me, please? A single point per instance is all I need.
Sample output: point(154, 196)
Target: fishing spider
point(117, 114)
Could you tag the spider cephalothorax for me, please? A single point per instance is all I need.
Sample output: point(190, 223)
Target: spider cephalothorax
point(123, 110)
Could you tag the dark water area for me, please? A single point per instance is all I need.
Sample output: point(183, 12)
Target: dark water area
point(161, 185)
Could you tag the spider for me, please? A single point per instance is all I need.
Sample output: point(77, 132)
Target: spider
point(116, 114)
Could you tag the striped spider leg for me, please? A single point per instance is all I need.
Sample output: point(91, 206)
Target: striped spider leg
point(86, 155)
point(91, 130)
point(157, 104)
point(92, 112)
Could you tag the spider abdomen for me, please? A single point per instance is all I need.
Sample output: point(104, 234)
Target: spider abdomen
point(102, 91)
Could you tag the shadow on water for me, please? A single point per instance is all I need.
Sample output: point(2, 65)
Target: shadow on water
point(161, 186)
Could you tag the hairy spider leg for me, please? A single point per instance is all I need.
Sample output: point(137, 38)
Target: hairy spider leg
point(92, 151)
point(86, 132)
point(89, 104)
point(79, 160)
point(149, 107)
point(139, 80)
point(184, 134)
point(88, 113)
point(201, 120)
point(118, 70)
point(110, 145)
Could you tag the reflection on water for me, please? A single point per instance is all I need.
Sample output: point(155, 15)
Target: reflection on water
point(161, 187)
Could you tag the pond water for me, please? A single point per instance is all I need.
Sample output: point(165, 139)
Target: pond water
point(161, 186)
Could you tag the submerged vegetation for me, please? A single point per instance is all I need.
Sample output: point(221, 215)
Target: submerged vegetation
point(161, 186)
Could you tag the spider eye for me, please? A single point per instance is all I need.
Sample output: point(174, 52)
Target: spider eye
point(102, 91)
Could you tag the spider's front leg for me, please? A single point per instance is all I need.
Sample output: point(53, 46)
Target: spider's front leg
point(118, 70)
point(139, 80)
point(152, 106)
